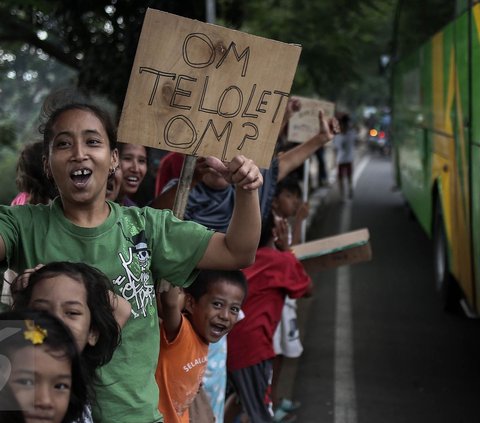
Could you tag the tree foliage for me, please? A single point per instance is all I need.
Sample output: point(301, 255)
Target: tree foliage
point(417, 21)
point(46, 44)
point(341, 41)
point(98, 38)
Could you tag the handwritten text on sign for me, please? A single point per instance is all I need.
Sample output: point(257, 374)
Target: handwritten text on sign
point(201, 89)
point(304, 124)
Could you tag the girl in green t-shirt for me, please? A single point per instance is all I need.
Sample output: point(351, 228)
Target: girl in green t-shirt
point(144, 245)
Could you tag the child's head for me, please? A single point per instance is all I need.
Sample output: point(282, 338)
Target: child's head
point(133, 163)
point(78, 295)
point(288, 197)
point(30, 176)
point(213, 302)
point(344, 121)
point(46, 378)
point(48, 129)
point(79, 152)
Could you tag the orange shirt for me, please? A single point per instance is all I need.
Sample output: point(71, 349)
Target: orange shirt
point(180, 369)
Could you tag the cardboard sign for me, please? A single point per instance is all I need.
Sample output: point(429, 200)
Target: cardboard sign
point(325, 253)
point(201, 89)
point(304, 124)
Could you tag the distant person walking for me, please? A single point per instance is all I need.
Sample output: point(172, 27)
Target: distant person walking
point(344, 147)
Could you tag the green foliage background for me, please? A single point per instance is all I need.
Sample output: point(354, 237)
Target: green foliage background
point(91, 44)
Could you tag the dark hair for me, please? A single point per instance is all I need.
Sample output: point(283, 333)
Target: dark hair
point(121, 146)
point(343, 120)
point(58, 338)
point(206, 278)
point(266, 234)
point(102, 115)
point(290, 184)
point(98, 301)
point(31, 177)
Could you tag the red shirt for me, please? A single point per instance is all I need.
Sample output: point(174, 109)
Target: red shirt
point(274, 275)
point(170, 167)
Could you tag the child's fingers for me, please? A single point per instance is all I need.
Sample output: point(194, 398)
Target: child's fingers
point(334, 125)
point(241, 171)
point(257, 183)
point(215, 164)
point(245, 173)
point(328, 127)
point(25, 276)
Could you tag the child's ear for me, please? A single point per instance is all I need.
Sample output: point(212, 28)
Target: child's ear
point(92, 337)
point(189, 303)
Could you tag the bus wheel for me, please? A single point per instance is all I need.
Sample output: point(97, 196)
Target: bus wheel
point(444, 282)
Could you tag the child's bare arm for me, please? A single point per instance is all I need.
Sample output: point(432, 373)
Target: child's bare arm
point(121, 308)
point(171, 312)
point(293, 158)
point(236, 249)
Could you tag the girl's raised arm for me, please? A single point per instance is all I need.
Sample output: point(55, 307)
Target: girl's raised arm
point(171, 312)
point(236, 249)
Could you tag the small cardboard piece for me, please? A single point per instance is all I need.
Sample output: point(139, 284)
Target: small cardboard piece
point(325, 253)
point(304, 124)
point(201, 89)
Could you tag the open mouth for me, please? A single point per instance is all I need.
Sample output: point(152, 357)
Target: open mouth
point(219, 330)
point(80, 177)
point(132, 180)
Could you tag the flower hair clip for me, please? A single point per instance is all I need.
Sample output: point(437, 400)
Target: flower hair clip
point(34, 333)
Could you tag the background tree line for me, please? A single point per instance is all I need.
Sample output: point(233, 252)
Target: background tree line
point(91, 44)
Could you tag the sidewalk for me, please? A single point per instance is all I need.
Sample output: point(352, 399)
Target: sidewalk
point(319, 198)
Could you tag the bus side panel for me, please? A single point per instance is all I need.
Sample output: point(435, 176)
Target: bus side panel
point(411, 141)
point(436, 125)
point(475, 137)
point(441, 126)
point(461, 245)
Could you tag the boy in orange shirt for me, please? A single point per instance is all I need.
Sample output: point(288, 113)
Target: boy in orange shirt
point(212, 306)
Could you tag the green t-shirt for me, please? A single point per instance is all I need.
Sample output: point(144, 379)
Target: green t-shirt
point(134, 247)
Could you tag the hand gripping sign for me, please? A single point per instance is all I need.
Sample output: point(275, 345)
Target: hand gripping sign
point(200, 89)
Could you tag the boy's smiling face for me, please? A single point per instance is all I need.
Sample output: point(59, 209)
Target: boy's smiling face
point(215, 312)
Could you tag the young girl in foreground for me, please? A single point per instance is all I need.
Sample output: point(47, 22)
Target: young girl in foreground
point(46, 379)
point(134, 247)
point(79, 296)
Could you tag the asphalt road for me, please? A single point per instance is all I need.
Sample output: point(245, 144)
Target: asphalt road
point(378, 346)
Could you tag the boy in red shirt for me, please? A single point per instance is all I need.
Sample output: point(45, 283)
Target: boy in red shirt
point(274, 275)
